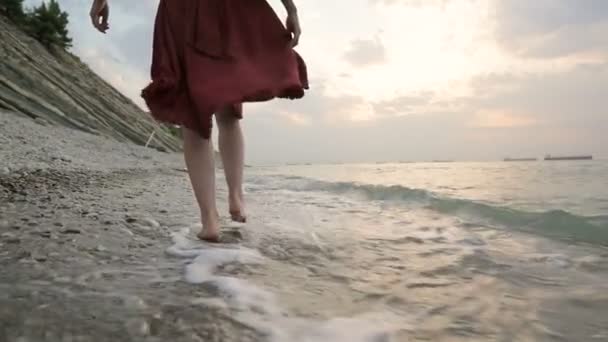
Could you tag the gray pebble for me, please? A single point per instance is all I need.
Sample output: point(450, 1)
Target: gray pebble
point(151, 223)
point(40, 258)
point(41, 121)
point(93, 216)
point(7, 235)
point(71, 231)
point(101, 248)
point(138, 327)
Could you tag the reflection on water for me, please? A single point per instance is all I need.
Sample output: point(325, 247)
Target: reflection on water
point(327, 261)
point(432, 277)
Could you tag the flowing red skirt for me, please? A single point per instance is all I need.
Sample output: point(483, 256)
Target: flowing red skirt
point(212, 55)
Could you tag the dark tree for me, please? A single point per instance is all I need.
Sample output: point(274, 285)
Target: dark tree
point(13, 9)
point(48, 24)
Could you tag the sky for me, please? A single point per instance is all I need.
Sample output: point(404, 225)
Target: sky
point(407, 80)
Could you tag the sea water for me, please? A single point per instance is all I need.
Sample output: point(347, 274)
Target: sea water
point(417, 251)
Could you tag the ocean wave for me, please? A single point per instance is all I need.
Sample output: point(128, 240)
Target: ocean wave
point(559, 224)
point(257, 307)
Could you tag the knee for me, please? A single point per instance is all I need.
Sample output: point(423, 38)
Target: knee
point(226, 118)
point(191, 138)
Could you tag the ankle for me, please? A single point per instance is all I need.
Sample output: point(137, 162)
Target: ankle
point(209, 214)
point(235, 195)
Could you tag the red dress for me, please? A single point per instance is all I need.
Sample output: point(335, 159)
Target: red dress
point(211, 55)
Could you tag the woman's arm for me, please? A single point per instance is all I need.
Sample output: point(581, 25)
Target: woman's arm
point(100, 11)
point(293, 22)
point(290, 7)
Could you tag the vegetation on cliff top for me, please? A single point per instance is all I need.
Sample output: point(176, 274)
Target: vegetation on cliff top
point(46, 23)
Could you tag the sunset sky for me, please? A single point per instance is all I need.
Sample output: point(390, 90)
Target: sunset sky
point(408, 79)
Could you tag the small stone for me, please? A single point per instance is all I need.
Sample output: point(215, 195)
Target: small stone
point(151, 223)
point(41, 121)
point(100, 248)
point(32, 224)
point(163, 211)
point(143, 228)
point(413, 239)
point(130, 219)
point(107, 222)
point(7, 235)
point(40, 258)
point(62, 279)
point(71, 231)
point(23, 255)
point(138, 327)
point(58, 224)
point(45, 234)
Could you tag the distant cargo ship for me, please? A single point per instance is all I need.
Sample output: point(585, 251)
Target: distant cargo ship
point(519, 159)
point(549, 157)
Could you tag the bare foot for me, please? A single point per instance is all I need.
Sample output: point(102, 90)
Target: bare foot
point(236, 216)
point(211, 228)
point(237, 212)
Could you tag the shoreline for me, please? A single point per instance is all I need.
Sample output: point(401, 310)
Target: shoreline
point(84, 224)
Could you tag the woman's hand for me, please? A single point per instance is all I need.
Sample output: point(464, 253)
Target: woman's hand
point(293, 26)
point(292, 23)
point(100, 11)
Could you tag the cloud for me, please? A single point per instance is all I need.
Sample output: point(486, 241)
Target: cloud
point(401, 105)
point(501, 119)
point(366, 52)
point(295, 118)
point(552, 28)
point(569, 98)
point(411, 3)
point(415, 80)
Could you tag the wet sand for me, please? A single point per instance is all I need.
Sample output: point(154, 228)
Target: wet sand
point(84, 224)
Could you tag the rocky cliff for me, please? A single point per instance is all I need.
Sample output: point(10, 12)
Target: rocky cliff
point(59, 89)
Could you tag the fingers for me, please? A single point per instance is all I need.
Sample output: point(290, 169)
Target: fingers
point(296, 37)
point(99, 16)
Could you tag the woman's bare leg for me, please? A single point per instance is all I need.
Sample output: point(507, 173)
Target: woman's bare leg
point(198, 153)
point(232, 150)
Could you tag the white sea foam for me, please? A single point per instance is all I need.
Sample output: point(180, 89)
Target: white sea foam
point(257, 307)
